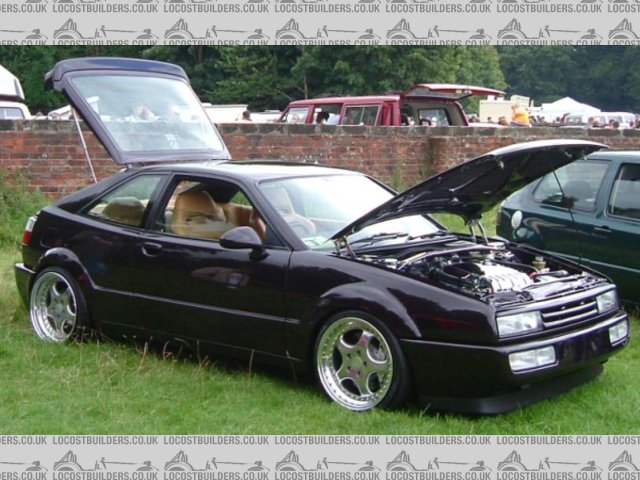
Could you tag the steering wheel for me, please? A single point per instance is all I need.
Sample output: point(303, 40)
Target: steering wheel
point(302, 226)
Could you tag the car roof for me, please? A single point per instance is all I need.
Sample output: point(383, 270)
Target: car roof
point(617, 154)
point(345, 99)
point(253, 169)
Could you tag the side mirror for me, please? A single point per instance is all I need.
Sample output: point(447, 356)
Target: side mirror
point(241, 238)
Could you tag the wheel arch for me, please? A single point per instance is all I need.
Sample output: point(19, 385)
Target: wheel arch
point(364, 298)
point(68, 261)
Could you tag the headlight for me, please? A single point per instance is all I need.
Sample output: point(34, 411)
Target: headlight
point(518, 323)
point(607, 301)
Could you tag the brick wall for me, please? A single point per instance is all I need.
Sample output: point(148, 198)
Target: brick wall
point(50, 155)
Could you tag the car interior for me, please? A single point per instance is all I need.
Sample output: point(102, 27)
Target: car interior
point(209, 210)
point(281, 200)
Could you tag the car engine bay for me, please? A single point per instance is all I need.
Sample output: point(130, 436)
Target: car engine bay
point(493, 272)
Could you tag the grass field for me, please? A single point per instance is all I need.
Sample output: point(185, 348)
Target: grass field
point(121, 388)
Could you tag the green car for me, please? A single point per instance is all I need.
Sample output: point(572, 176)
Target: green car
point(588, 211)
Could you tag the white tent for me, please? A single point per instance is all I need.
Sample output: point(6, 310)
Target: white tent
point(10, 88)
point(550, 111)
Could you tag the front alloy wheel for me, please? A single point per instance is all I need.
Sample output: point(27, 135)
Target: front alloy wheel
point(358, 365)
point(54, 306)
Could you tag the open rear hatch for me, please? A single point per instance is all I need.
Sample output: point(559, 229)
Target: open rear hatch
point(449, 91)
point(141, 110)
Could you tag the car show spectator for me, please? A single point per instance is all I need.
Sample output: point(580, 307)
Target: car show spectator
point(519, 116)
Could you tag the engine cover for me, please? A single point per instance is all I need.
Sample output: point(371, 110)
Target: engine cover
point(485, 276)
point(504, 278)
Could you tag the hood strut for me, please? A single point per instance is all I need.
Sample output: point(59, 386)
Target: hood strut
point(343, 242)
point(472, 228)
point(84, 145)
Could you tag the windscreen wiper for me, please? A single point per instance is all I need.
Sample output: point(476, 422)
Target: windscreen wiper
point(437, 233)
point(379, 237)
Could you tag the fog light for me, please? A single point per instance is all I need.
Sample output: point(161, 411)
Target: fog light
point(618, 332)
point(531, 359)
point(607, 301)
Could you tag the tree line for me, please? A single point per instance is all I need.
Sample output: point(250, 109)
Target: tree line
point(269, 77)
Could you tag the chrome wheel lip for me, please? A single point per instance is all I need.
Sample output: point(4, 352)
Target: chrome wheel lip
point(330, 342)
point(53, 308)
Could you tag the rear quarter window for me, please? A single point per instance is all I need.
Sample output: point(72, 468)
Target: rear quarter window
point(127, 204)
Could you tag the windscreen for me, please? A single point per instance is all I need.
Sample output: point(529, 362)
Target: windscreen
point(318, 207)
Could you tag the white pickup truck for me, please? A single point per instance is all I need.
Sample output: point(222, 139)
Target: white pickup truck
point(12, 105)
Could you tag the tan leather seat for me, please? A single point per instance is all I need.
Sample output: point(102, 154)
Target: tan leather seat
point(195, 214)
point(245, 216)
point(126, 210)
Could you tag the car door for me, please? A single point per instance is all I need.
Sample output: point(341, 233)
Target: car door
point(566, 203)
point(105, 239)
point(613, 247)
point(191, 287)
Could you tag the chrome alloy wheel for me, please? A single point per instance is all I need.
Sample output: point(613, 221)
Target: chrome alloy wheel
point(53, 307)
point(354, 362)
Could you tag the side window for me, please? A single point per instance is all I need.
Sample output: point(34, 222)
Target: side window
point(361, 115)
point(328, 114)
point(208, 209)
point(625, 195)
point(580, 182)
point(129, 203)
point(296, 115)
point(10, 113)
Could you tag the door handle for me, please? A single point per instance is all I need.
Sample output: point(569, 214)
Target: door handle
point(151, 249)
point(603, 229)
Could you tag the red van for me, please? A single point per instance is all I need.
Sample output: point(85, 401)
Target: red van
point(430, 104)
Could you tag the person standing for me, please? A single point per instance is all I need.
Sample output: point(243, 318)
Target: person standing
point(519, 116)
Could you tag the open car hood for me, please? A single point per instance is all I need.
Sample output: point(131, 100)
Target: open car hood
point(479, 184)
point(141, 110)
point(448, 90)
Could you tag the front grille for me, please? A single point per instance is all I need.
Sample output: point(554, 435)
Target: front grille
point(576, 311)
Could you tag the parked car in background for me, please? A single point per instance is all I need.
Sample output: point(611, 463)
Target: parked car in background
point(601, 119)
point(429, 104)
point(12, 105)
point(233, 114)
point(13, 110)
point(229, 113)
point(319, 269)
point(588, 211)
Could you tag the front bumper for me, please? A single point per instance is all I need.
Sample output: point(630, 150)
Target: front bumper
point(24, 277)
point(478, 379)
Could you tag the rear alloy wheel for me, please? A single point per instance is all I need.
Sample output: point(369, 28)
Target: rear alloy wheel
point(359, 363)
point(56, 306)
